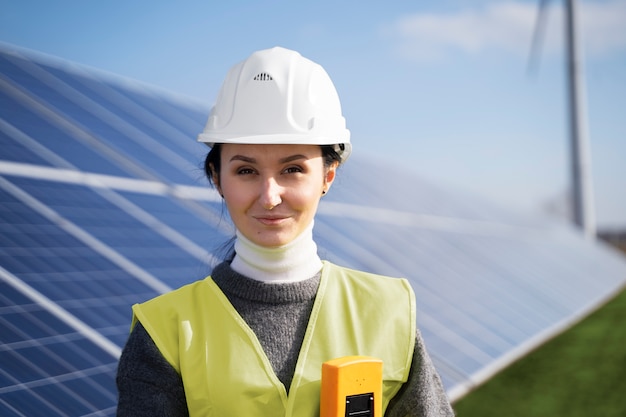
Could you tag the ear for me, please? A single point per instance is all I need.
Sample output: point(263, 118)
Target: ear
point(330, 175)
point(215, 178)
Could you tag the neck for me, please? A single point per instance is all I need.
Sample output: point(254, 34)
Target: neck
point(295, 261)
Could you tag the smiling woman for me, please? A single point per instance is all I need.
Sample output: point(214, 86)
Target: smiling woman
point(250, 339)
point(272, 191)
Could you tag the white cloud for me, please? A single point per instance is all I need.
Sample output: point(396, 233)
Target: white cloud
point(507, 26)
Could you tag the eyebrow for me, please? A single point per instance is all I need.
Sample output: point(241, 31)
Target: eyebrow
point(284, 160)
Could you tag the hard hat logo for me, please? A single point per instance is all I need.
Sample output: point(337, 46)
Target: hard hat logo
point(276, 96)
point(263, 77)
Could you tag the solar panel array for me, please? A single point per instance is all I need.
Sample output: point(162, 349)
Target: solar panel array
point(103, 204)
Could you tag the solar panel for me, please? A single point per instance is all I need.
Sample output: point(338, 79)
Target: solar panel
point(489, 283)
point(103, 204)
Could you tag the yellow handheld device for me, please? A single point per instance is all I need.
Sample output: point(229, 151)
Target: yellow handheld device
point(352, 387)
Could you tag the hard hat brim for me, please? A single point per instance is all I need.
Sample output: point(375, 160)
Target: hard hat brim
point(281, 139)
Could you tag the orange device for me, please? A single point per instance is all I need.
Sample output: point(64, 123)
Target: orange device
point(352, 386)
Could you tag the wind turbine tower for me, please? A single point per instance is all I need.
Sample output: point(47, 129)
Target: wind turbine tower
point(582, 187)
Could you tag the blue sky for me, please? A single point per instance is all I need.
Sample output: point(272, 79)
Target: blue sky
point(441, 87)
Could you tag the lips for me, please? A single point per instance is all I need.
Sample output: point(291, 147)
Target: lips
point(270, 220)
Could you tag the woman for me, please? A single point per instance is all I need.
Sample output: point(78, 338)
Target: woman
point(250, 339)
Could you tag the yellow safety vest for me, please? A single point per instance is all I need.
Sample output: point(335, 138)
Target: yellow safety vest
point(225, 371)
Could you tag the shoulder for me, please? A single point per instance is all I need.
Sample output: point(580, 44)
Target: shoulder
point(186, 292)
point(165, 310)
point(364, 279)
point(164, 316)
point(334, 268)
point(376, 291)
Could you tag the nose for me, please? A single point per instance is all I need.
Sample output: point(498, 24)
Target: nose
point(271, 194)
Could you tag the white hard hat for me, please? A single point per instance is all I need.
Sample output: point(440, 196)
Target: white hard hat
point(277, 96)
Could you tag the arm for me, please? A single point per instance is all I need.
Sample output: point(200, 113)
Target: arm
point(423, 394)
point(147, 384)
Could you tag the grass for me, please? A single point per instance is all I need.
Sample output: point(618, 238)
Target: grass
point(581, 372)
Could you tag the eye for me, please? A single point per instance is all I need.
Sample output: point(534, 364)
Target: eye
point(293, 169)
point(245, 171)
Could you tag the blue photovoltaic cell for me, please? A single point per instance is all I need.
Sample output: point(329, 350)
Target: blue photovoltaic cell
point(117, 229)
point(123, 133)
point(163, 125)
point(13, 151)
point(488, 280)
point(66, 271)
point(183, 219)
point(45, 361)
point(83, 157)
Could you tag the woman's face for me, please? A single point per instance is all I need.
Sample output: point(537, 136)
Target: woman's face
point(272, 191)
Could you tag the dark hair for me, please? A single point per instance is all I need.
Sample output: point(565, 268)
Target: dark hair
point(213, 160)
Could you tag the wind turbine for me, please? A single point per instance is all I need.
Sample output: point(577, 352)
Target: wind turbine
point(581, 199)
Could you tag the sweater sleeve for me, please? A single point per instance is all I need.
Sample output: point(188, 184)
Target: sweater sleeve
point(147, 384)
point(423, 394)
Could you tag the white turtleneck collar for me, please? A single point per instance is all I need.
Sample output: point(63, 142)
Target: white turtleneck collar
point(295, 261)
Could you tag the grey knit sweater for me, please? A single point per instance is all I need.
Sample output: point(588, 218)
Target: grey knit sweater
point(278, 314)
